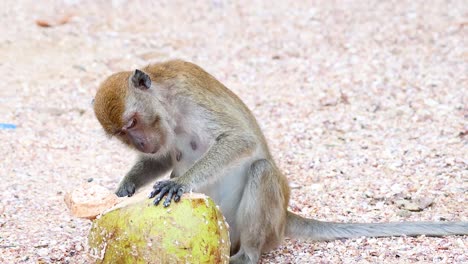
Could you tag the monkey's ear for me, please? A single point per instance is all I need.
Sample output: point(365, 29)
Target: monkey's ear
point(141, 80)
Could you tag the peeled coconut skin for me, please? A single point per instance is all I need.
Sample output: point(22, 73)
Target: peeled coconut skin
point(190, 231)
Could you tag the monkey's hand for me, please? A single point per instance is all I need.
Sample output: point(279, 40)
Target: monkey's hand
point(171, 187)
point(126, 188)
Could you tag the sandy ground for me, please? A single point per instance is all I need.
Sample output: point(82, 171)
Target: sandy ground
point(364, 103)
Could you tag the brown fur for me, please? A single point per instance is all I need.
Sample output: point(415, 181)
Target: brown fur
point(109, 102)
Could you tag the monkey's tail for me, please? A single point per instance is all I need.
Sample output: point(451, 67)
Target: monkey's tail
point(300, 227)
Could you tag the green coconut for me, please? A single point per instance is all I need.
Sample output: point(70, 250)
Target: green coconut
point(190, 231)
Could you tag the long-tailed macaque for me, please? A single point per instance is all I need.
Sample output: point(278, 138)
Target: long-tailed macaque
point(180, 118)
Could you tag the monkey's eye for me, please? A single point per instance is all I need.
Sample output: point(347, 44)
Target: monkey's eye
point(131, 124)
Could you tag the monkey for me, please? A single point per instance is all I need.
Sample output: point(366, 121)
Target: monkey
point(179, 118)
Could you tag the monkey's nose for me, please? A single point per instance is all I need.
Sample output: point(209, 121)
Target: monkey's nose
point(141, 146)
point(144, 147)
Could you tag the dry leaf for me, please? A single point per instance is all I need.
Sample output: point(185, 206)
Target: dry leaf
point(52, 22)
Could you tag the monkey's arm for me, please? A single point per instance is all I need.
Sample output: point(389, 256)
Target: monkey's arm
point(144, 170)
point(226, 149)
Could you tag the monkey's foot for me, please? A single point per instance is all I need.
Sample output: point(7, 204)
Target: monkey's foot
point(172, 189)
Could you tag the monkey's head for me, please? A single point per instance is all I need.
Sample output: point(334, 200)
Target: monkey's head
point(126, 106)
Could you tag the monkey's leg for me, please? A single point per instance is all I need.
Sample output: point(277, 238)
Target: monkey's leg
point(261, 214)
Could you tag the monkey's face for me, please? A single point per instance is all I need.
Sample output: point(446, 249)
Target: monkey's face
point(143, 127)
point(127, 108)
point(144, 136)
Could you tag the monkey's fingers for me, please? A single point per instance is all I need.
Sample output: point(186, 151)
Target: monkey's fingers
point(130, 189)
point(157, 188)
point(171, 192)
point(126, 189)
point(154, 192)
point(179, 194)
point(159, 184)
point(161, 194)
